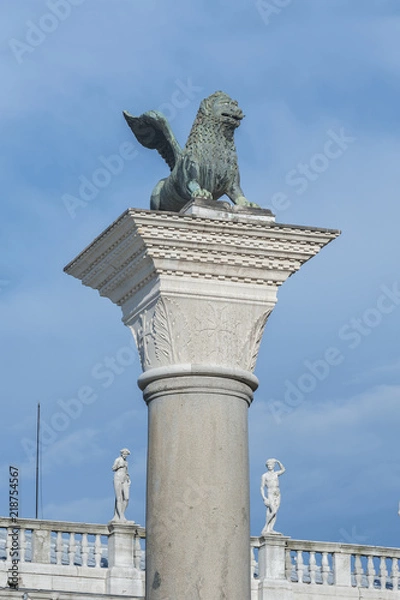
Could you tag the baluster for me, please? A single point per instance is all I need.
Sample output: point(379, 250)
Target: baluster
point(358, 570)
point(71, 548)
point(383, 573)
point(325, 568)
point(29, 544)
point(97, 551)
point(22, 546)
point(3, 531)
point(300, 566)
point(53, 547)
point(370, 571)
point(313, 568)
point(288, 565)
point(59, 548)
point(79, 550)
point(85, 550)
point(8, 549)
point(104, 552)
point(8, 542)
point(395, 573)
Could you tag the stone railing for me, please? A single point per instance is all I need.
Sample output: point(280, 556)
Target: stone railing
point(294, 568)
point(52, 542)
point(81, 557)
point(81, 560)
point(370, 567)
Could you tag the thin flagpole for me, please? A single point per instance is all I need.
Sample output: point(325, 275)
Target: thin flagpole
point(37, 459)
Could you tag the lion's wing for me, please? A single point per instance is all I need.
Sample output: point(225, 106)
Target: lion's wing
point(153, 131)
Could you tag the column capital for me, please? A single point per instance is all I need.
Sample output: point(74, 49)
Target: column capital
point(198, 287)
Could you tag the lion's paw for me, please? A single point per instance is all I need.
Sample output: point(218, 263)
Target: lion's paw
point(201, 193)
point(242, 201)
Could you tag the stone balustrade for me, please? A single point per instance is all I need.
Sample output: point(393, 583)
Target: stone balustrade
point(58, 543)
point(81, 560)
point(306, 569)
point(75, 557)
point(370, 567)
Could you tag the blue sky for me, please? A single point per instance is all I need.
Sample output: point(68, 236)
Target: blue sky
point(308, 73)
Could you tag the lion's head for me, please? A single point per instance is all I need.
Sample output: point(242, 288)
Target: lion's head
point(222, 108)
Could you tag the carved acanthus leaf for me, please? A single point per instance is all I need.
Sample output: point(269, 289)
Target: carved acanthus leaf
point(255, 338)
point(171, 332)
point(143, 334)
point(163, 333)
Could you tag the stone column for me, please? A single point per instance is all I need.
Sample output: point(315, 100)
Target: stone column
point(196, 289)
point(197, 482)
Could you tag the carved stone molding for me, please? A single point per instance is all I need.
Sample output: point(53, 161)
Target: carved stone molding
point(144, 244)
point(196, 289)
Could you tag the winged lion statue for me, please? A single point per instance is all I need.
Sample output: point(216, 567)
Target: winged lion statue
point(207, 166)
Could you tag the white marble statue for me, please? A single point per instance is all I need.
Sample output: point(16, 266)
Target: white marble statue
point(122, 483)
point(272, 501)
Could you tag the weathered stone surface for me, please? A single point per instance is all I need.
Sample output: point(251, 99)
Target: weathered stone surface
point(197, 483)
point(196, 290)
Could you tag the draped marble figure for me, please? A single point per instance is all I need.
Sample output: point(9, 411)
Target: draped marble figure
point(122, 484)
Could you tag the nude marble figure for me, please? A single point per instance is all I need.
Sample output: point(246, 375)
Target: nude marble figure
point(270, 480)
